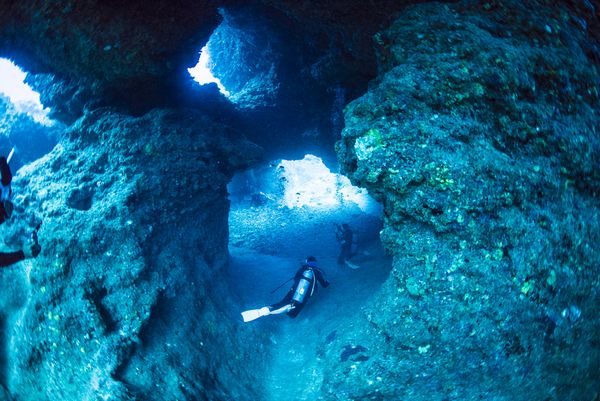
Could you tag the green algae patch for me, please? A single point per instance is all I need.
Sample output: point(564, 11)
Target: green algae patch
point(365, 145)
point(527, 287)
point(440, 176)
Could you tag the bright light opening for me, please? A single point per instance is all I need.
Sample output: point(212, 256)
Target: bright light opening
point(308, 182)
point(24, 99)
point(202, 74)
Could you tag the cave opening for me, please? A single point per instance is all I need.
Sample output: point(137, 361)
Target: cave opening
point(26, 123)
point(282, 212)
point(473, 123)
point(240, 60)
point(295, 203)
point(202, 73)
point(261, 69)
point(22, 97)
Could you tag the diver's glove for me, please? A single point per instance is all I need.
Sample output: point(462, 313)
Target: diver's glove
point(32, 251)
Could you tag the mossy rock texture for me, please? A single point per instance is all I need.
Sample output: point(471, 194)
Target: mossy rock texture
point(480, 138)
point(127, 295)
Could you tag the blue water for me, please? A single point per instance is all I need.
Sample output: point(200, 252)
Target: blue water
point(295, 368)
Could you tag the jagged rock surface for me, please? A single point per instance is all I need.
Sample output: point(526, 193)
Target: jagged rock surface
point(480, 138)
point(342, 32)
point(137, 47)
point(308, 59)
point(127, 296)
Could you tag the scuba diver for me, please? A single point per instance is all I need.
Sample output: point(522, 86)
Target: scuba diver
point(6, 210)
point(305, 283)
point(6, 206)
point(345, 236)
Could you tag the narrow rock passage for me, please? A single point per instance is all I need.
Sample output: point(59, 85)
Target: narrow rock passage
point(296, 369)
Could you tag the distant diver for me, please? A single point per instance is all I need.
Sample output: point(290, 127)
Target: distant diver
point(6, 210)
point(305, 283)
point(345, 236)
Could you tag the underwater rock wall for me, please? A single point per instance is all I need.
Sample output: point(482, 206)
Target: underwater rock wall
point(110, 41)
point(278, 103)
point(341, 33)
point(133, 52)
point(126, 300)
point(480, 137)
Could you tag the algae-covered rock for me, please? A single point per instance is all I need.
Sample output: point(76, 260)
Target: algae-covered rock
point(480, 139)
point(126, 296)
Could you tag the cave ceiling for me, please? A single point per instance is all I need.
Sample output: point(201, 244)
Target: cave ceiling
point(134, 55)
point(143, 48)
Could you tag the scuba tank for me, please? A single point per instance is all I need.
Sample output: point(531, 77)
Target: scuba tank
point(304, 285)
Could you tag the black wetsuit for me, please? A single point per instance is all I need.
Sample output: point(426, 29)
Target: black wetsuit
point(345, 235)
point(6, 175)
point(289, 297)
point(7, 258)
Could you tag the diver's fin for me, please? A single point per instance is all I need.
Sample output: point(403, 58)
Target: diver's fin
point(352, 265)
point(10, 155)
point(253, 314)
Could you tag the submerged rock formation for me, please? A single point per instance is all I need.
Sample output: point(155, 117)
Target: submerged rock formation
point(478, 135)
point(122, 300)
point(137, 51)
point(480, 138)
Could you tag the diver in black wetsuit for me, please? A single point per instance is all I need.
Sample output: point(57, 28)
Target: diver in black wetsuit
point(345, 236)
point(305, 283)
point(6, 209)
